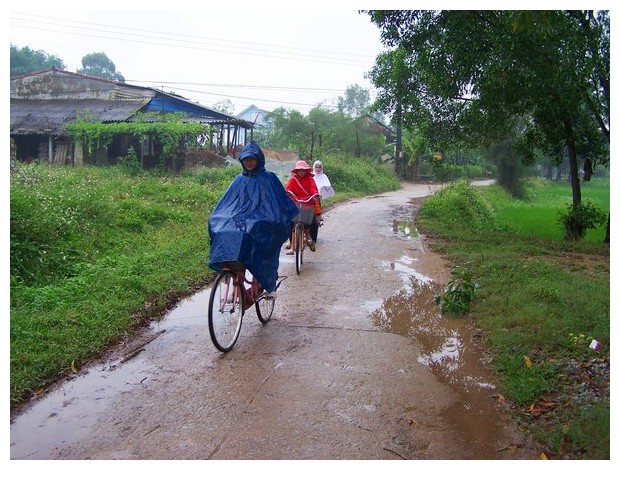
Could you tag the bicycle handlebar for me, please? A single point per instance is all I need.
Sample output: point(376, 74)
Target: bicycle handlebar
point(308, 200)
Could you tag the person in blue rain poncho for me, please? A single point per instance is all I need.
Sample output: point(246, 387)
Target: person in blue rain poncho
point(252, 219)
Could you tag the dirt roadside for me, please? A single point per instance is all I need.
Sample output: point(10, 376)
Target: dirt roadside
point(355, 365)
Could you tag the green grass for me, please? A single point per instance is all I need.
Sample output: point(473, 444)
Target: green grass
point(536, 293)
point(539, 214)
point(98, 251)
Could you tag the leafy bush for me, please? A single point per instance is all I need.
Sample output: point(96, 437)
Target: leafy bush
point(460, 292)
point(447, 172)
point(461, 204)
point(577, 220)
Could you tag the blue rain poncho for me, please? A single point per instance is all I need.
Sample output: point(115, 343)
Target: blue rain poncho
point(251, 221)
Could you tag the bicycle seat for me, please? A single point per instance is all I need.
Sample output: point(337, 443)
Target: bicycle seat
point(234, 265)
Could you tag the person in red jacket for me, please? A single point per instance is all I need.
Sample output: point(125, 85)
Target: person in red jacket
point(302, 185)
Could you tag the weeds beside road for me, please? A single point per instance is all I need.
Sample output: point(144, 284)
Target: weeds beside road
point(95, 252)
point(541, 301)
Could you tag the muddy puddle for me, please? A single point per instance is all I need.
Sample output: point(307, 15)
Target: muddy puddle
point(67, 413)
point(448, 345)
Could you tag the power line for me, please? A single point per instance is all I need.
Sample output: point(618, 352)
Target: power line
point(135, 35)
point(228, 85)
point(190, 41)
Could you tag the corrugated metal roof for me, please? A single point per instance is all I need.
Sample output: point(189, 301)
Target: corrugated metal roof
point(51, 116)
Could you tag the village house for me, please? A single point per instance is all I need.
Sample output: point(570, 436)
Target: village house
point(43, 103)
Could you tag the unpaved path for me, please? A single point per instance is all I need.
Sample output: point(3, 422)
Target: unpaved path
point(356, 364)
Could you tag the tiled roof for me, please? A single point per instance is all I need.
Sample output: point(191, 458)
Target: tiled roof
point(51, 116)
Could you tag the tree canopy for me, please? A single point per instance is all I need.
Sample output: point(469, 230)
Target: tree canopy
point(99, 65)
point(25, 60)
point(537, 78)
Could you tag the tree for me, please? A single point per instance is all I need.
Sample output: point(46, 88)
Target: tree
point(99, 65)
point(25, 60)
point(225, 106)
point(355, 101)
point(539, 80)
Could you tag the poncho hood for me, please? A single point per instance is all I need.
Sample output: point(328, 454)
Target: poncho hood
point(252, 149)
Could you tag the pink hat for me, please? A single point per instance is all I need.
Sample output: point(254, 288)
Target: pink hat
point(301, 165)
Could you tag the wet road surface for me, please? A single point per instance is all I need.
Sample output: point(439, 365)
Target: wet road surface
point(356, 364)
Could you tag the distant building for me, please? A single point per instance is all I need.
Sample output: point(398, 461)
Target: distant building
point(256, 116)
point(370, 123)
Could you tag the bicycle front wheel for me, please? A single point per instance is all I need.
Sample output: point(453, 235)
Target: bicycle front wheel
point(264, 308)
point(225, 312)
point(299, 246)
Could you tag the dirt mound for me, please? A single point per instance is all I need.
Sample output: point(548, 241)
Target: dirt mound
point(281, 155)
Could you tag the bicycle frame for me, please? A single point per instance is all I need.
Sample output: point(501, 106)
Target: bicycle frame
point(233, 293)
point(250, 289)
point(300, 230)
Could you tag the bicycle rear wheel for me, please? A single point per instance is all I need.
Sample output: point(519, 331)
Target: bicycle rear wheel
point(225, 312)
point(299, 246)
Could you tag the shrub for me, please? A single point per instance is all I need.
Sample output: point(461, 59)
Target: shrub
point(577, 220)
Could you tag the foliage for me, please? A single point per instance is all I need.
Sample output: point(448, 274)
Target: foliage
point(460, 204)
point(509, 168)
point(25, 60)
point(539, 79)
point(131, 162)
point(171, 131)
point(323, 131)
point(355, 101)
point(353, 176)
point(577, 220)
point(534, 290)
point(225, 106)
point(459, 292)
point(97, 64)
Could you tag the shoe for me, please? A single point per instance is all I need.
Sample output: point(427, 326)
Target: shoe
point(271, 295)
point(311, 245)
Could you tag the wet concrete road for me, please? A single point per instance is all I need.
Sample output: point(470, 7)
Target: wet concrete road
point(356, 364)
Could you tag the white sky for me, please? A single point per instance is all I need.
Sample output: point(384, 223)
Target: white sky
point(281, 55)
point(271, 57)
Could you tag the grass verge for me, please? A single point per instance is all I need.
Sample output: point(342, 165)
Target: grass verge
point(540, 301)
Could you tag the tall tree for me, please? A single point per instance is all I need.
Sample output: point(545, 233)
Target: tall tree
point(99, 65)
point(540, 79)
point(25, 60)
point(355, 101)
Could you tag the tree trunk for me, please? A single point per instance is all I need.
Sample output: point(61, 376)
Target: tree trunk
point(573, 163)
point(573, 230)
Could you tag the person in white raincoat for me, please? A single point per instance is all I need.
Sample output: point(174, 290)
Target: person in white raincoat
point(322, 183)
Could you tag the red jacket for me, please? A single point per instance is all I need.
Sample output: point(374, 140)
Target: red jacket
point(303, 188)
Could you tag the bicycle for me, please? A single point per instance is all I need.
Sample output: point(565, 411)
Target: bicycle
point(233, 293)
point(302, 222)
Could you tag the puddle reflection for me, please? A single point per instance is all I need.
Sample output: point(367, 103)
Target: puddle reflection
point(447, 348)
point(444, 341)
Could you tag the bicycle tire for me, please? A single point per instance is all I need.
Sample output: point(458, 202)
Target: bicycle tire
point(225, 312)
point(264, 309)
point(299, 247)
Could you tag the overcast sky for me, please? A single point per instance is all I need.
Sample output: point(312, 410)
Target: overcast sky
point(281, 55)
point(271, 57)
